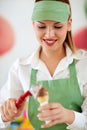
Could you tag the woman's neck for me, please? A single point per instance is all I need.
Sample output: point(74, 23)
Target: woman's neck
point(52, 58)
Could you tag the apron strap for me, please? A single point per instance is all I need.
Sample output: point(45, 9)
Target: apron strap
point(33, 77)
point(72, 69)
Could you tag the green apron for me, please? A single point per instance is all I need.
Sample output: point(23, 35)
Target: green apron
point(65, 91)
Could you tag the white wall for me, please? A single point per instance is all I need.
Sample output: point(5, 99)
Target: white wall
point(78, 14)
point(18, 13)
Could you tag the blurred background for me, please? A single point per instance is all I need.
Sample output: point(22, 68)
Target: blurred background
point(17, 38)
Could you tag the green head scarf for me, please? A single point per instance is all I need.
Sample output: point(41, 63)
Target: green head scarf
point(51, 10)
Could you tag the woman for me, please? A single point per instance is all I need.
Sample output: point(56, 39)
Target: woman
point(57, 66)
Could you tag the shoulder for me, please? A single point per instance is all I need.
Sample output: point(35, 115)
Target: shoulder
point(80, 54)
point(81, 57)
point(81, 64)
point(30, 60)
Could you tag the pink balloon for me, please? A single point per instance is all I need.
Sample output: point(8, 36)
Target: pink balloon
point(80, 38)
point(6, 36)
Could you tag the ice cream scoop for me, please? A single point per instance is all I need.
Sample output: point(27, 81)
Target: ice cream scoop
point(39, 92)
point(22, 98)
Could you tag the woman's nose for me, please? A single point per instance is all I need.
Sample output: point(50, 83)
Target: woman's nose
point(49, 33)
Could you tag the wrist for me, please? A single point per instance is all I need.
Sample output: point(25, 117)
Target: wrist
point(3, 124)
point(70, 117)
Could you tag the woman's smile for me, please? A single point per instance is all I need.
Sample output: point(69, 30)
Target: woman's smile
point(49, 42)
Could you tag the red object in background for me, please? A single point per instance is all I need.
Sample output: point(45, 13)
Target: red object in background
point(80, 38)
point(24, 114)
point(6, 36)
point(22, 98)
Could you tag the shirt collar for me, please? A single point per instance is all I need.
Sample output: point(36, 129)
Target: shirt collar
point(34, 60)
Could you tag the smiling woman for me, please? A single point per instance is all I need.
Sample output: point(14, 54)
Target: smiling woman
point(57, 67)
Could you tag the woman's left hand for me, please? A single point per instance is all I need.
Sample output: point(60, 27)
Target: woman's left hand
point(55, 113)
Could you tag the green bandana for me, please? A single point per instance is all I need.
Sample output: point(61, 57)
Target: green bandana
point(51, 10)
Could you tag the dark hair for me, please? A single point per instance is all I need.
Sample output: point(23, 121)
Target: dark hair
point(69, 39)
point(65, 1)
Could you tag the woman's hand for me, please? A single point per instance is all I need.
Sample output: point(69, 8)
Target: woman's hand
point(55, 113)
point(9, 110)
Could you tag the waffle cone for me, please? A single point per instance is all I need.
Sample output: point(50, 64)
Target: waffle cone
point(42, 99)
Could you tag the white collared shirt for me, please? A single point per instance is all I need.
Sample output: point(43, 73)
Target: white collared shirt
point(19, 80)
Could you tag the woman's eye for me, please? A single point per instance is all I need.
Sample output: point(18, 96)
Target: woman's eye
point(58, 27)
point(41, 27)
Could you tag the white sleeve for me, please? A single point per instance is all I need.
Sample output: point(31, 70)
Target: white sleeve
point(12, 89)
point(14, 84)
point(80, 122)
point(2, 124)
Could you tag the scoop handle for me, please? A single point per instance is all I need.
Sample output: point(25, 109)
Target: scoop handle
point(22, 98)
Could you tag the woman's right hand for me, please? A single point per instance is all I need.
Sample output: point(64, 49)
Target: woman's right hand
point(9, 110)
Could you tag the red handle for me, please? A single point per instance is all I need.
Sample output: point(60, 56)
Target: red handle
point(22, 98)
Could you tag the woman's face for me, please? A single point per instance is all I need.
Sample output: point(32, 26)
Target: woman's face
point(51, 34)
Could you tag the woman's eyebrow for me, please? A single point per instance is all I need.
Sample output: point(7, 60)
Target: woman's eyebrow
point(44, 23)
point(57, 23)
point(40, 22)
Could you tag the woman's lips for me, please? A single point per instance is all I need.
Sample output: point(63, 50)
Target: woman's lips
point(49, 42)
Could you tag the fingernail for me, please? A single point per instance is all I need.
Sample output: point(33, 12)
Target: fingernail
point(42, 126)
point(15, 111)
point(38, 108)
point(37, 115)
